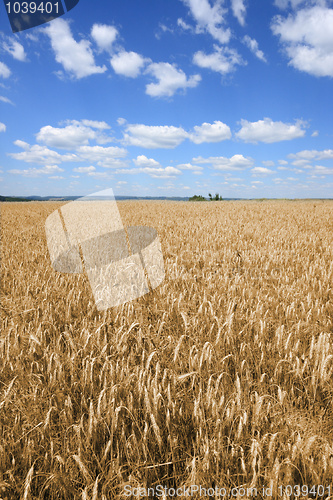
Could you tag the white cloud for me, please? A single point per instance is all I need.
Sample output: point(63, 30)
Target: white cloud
point(170, 79)
point(318, 169)
point(107, 157)
point(35, 172)
point(236, 162)
point(94, 124)
point(308, 39)
point(239, 10)
point(15, 49)
point(69, 137)
point(76, 57)
point(162, 173)
point(4, 70)
point(268, 131)
point(315, 133)
point(5, 99)
point(162, 29)
point(56, 177)
point(209, 18)
point(98, 175)
point(154, 136)
point(304, 157)
point(252, 44)
point(223, 60)
point(84, 170)
point(40, 154)
point(261, 170)
point(268, 163)
point(143, 161)
point(2, 127)
point(208, 132)
point(181, 23)
point(104, 35)
point(128, 63)
point(294, 4)
point(155, 172)
point(188, 166)
point(73, 135)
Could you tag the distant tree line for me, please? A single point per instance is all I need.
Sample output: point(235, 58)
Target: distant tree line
point(196, 197)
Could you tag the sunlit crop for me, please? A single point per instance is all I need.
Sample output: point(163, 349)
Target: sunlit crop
point(223, 375)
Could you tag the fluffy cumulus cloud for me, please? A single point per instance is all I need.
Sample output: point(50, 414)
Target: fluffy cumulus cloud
point(143, 161)
point(2, 127)
point(170, 137)
point(40, 154)
point(306, 156)
point(107, 157)
point(76, 57)
point(36, 172)
point(170, 79)
point(307, 36)
point(268, 131)
point(128, 63)
point(208, 132)
point(188, 166)
point(252, 44)
point(69, 137)
point(15, 49)
point(161, 173)
point(84, 170)
point(153, 137)
point(261, 171)
point(236, 162)
point(4, 70)
point(223, 60)
point(319, 169)
point(74, 134)
point(104, 36)
point(209, 18)
point(239, 10)
point(94, 124)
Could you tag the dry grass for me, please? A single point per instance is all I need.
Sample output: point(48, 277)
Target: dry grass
point(221, 376)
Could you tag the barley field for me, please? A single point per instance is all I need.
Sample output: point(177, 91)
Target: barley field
point(221, 377)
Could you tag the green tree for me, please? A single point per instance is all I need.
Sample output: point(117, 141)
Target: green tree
point(197, 198)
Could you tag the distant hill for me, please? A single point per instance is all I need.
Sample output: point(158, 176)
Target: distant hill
point(70, 198)
point(12, 198)
point(119, 198)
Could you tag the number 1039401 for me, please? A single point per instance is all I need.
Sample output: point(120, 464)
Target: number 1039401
point(298, 490)
point(33, 7)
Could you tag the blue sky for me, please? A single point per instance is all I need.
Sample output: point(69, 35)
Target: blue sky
point(170, 98)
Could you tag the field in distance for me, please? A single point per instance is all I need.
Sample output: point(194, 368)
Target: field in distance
point(222, 376)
